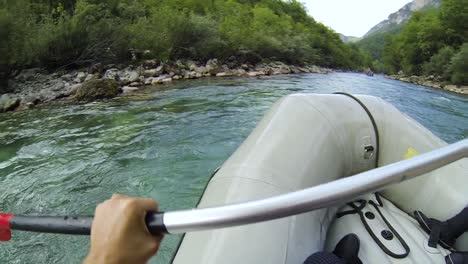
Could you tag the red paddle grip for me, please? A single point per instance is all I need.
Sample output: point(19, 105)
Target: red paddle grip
point(5, 231)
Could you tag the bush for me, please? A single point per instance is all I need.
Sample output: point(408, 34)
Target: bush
point(5, 31)
point(439, 63)
point(73, 33)
point(459, 66)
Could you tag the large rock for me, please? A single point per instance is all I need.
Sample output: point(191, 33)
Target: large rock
point(200, 70)
point(74, 88)
point(191, 65)
point(190, 75)
point(148, 81)
point(133, 76)
point(128, 89)
point(8, 103)
point(255, 73)
point(97, 89)
point(67, 77)
point(295, 70)
point(212, 67)
point(28, 75)
point(57, 86)
point(80, 77)
point(167, 80)
point(89, 77)
point(181, 65)
point(31, 99)
point(315, 69)
point(134, 84)
point(112, 74)
point(161, 80)
point(240, 72)
point(148, 64)
point(224, 74)
point(96, 68)
point(153, 72)
point(47, 95)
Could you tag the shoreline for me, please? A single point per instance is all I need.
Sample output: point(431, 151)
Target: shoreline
point(32, 87)
point(430, 81)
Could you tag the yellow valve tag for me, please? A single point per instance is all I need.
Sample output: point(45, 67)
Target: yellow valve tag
point(411, 152)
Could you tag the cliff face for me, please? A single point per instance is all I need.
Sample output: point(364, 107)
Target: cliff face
point(402, 15)
point(348, 39)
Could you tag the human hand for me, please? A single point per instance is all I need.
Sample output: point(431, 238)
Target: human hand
point(119, 233)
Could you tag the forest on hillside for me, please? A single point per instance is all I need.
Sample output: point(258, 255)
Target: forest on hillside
point(56, 34)
point(433, 42)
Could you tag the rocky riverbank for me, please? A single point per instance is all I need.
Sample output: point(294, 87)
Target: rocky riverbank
point(35, 86)
point(430, 81)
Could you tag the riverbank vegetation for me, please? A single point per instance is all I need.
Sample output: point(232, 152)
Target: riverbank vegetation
point(432, 43)
point(57, 34)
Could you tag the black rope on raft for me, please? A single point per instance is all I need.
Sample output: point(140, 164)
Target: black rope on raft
point(374, 124)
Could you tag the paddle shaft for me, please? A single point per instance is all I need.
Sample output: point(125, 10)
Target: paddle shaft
point(72, 225)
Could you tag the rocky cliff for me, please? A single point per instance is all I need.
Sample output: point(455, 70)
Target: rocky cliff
point(401, 16)
point(348, 39)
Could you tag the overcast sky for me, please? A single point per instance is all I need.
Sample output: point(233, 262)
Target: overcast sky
point(352, 17)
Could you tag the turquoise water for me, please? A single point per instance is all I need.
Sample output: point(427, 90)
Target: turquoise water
point(163, 144)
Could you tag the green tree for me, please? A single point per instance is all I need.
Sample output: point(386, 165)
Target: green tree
point(391, 55)
point(439, 63)
point(459, 66)
point(5, 32)
point(74, 33)
point(454, 20)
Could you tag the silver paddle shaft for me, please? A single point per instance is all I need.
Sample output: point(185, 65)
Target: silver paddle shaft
point(321, 196)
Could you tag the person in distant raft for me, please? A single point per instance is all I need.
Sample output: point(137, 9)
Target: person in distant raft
point(445, 233)
point(119, 233)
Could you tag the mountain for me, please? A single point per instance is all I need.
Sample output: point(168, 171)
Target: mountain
point(400, 17)
point(348, 39)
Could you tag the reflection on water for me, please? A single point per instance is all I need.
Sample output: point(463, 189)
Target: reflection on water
point(163, 143)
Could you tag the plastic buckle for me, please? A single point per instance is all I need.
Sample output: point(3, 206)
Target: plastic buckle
point(5, 230)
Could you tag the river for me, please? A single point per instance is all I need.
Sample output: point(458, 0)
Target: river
point(163, 143)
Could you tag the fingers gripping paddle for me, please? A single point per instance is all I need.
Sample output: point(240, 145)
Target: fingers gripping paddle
point(71, 225)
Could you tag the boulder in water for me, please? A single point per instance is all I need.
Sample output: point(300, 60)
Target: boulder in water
point(97, 89)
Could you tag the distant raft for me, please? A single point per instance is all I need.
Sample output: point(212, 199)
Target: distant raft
point(306, 140)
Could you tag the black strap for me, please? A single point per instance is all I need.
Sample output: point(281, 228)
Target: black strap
point(397, 235)
point(379, 199)
point(434, 236)
point(355, 210)
point(358, 209)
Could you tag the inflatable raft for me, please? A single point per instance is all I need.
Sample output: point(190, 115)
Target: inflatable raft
point(316, 168)
point(310, 140)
